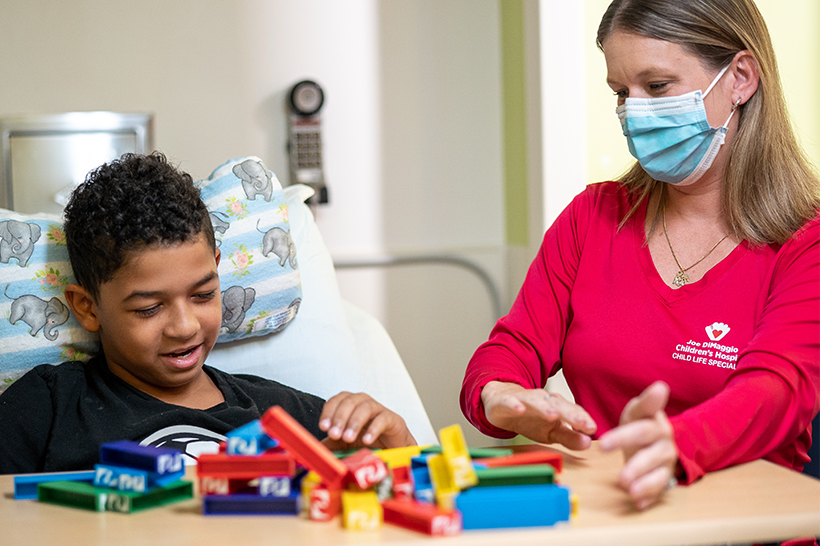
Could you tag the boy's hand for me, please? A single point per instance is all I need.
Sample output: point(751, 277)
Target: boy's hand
point(356, 420)
point(540, 416)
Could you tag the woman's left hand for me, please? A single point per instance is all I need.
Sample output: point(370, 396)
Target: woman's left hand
point(646, 438)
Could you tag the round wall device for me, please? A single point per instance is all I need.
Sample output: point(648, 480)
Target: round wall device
point(306, 98)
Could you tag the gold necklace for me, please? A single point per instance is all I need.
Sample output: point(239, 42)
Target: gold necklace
point(681, 277)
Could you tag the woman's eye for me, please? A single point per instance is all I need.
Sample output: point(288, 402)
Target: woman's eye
point(620, 94)
point(657, 86)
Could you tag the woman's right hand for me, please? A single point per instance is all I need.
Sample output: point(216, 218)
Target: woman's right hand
point(543, 417)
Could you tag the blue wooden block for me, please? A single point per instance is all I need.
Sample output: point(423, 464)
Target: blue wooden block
point(248, 504)
point(25, 486)
point(422, 484)
point(125, 478)
point(513, 506)
point(161, 460)
point(274, 486)
point(249, 439)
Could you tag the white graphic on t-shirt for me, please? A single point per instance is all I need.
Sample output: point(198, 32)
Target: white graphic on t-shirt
point(717, 330)
point(193, 441)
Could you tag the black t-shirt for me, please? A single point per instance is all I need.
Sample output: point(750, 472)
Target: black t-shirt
point(54, 418)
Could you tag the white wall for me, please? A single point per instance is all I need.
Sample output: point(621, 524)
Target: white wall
point(411, 128)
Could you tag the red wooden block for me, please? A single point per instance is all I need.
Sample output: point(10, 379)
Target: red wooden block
point(301, 444)
point(403, 482)
point(212, 485)
point(526, 457)
point(425, 518)
point(325, 503)
point(238, 467)
point(366, 468)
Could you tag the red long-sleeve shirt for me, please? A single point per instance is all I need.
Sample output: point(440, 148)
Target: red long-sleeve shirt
point(740, 348)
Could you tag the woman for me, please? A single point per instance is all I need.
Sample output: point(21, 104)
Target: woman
point(684, 297)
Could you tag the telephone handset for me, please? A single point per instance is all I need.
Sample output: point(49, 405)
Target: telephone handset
point(305, 138)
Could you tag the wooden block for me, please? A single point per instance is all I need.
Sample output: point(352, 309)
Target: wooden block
point(365, 468)
point(87, 496)
point(513, 506)
point(361, 511)
point(455, 453)
point(249, 439)
point(249, 504)
point(248, 467)
point(303, 446)
point(516, 475)
point(25, 485)
point(154, 459)
point(444, 486)
point(325, 504)
point(402, 482)
point(424, 518)
point(398, 456)
point(526, 457)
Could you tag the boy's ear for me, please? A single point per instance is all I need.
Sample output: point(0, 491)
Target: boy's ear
point(217, 255)
point(83, 306)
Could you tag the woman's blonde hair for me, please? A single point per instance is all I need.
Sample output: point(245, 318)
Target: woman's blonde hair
point(770, 189)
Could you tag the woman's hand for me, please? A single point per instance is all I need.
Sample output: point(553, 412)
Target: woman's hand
point(540, 416)
point(356, 420)
point(647, 440)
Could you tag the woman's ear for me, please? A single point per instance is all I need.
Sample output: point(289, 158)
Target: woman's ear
point(746, 76)
point(83, 306)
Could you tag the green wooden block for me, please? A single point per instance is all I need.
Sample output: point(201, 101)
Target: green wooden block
point(88, 497)
point(475, 452)
point(516, 475)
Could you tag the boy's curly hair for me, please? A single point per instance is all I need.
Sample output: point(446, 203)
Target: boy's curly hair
point(131, 203)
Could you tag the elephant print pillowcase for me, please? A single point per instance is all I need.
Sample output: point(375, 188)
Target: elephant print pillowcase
point(36, 326)
point(259, 274)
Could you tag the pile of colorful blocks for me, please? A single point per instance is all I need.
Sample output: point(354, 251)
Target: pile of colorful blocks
point(434, 490)
point(129, 478)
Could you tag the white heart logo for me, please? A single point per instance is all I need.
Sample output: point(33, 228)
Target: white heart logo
point(717, 331)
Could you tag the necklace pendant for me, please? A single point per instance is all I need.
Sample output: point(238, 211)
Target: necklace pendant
point(680, 279)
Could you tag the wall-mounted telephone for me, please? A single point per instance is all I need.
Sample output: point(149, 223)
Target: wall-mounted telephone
point(305, 138)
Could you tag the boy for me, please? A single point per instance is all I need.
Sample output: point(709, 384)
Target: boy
point(142, 248)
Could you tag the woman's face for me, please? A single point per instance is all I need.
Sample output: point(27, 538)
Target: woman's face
point(641, 67)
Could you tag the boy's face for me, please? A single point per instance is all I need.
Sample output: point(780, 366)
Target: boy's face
point(160, 315)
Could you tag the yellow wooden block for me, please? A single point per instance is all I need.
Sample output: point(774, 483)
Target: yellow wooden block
point(573, 505)
point(311, 480)
point(398, 456)
point(361, 511)
point(455, 452)
point(441, 476)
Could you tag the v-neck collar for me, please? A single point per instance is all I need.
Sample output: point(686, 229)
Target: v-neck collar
point(653, 278)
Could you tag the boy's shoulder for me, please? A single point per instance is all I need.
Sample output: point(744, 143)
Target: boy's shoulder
point(50, 374)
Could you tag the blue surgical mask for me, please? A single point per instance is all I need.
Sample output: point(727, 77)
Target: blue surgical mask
point(671, 137)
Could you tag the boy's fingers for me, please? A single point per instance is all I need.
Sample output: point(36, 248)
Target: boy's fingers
point(364, 411)
point(329, 409)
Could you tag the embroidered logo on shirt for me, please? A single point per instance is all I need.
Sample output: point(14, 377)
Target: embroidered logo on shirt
point(717, 331)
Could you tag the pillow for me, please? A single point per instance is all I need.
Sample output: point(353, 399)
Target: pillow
point(317, 352)
point(36, 326)
point(258, 272)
